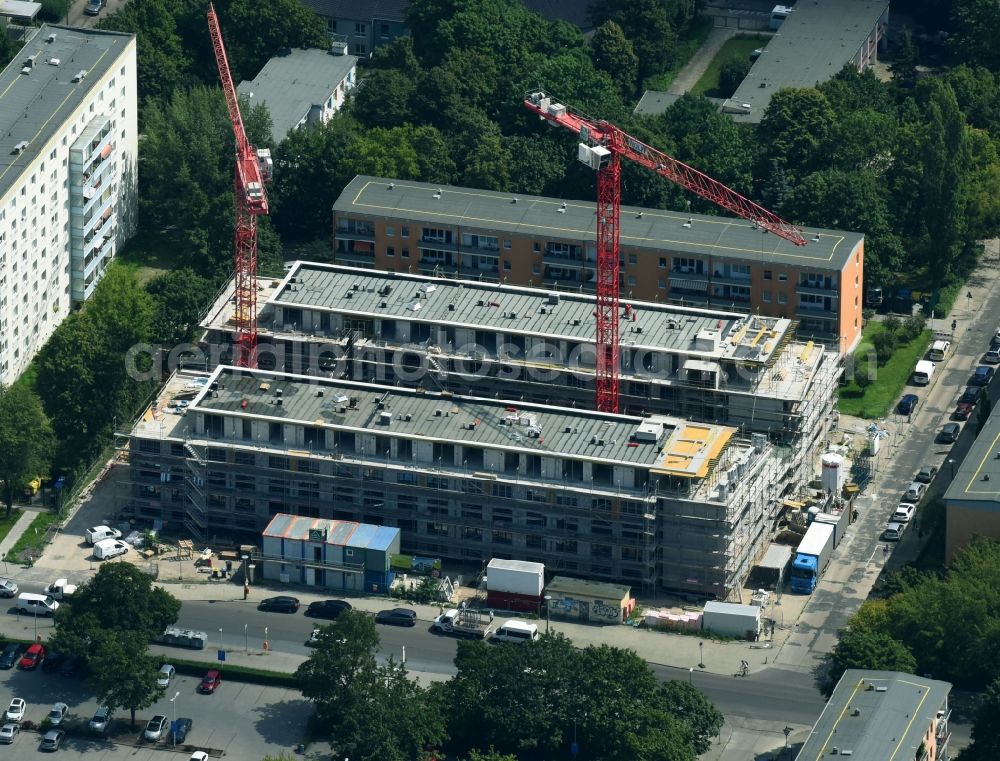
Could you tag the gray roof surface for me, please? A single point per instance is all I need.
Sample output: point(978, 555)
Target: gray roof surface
point(894, 711)
point(683, 448)
point(341, 533)
point(812, 45)
point(659, 231)
point(565, 586)
point(290, 85)
point(34, 106)
point(483, 306)
point(655, 102)
point(388, 10)
point(19, 9)
point(977, 478)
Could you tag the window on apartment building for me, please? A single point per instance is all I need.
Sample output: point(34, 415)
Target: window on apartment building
point(782, 277)
point(782, 298)
point(405, 253)
point(390, 230)
point(631, 282)
point(384, 31)
point(404, 231)
point(663, 262)
point(390, 251)
point(536, 270)
point(536, 247)
point(766, 297)
point(768, 275)
point(360, 49)
point(506, 266)
point(359, 28)
point(661, 283)
point(506, 245)
point(633, 259)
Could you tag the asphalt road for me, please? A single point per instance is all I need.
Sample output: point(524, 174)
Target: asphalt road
point(771, 695)
point(76, 16)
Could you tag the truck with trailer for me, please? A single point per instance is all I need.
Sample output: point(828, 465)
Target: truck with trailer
point(463, 622)
point(812, 557)
point(177, 637)
point(840, 519)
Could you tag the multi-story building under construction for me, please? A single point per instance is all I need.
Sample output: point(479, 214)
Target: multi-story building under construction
point(656, 501)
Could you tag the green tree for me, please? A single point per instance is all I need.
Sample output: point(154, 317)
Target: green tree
point(985, 745)
point(795, 128)
point(26, 442)
point(54, 11)
point(487, 166)
point(111, 621)
point(7, 50)
point(905, 58)
point(255, 31)
point(651, 25)
point(614, 55)
point(693, 708)
point(180, 297)
point(372, 712)
point(862, 648)
point(973, 39)
point(732, 74)
point(385, 99)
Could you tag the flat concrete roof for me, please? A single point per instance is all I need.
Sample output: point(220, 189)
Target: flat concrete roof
point(655, 102)
point(364, 293)
point(20, 9)
point(290, 85)
point(812, 45)
point(666, 445)
point(563, 586)
point(977, 479)
point(554, 219)
point(34, 106)
point(876, 715)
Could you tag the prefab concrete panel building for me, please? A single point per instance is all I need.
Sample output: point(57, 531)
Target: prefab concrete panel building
point(341, 555)
point(731, 619)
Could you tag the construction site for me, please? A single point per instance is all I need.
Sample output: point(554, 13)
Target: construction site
point(462, 413)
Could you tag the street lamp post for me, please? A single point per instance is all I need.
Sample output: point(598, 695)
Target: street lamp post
point(246, 640)
point(787, 731)
point(548, 601)
point(691, 675)
point(701, 655)
point(252, 566)
point(221, 646)
point(173, 727)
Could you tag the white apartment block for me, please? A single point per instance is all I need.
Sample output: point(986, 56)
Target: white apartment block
point(68, 149)
point(658, 502)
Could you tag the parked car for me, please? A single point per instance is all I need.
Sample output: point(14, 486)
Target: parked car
point(982, 375)
point(32, 657)
point(971, 395)
point(15, 711)
point(907, 404)
point(8, 733)
point(949, 433)
point(329, 609)
point(96, 534)
point(992, 357)
point(51, 740)
point(893, 532)
point(11, 654)
point(165, 675)
point(101, 720)
point(155, 728)
point(210, 682)
point(199, 755)
point(280, 604)
point(926, 474)
point(71, 666)
point(179, 731)
point(110, 548)
point(94, 7)
point(962, 411)
point(8, 588)
point(396, 617)
point(57, 714)
point(914, 491)
point(53, 661)
point(904, 512)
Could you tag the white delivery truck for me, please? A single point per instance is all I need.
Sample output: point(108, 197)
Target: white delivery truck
point(475, 624)
point(923, 372)
point(60, 589)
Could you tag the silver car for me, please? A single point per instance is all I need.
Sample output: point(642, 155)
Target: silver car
point(155, 728)
point(8, 588)
point(57, 714)
point(8, 733)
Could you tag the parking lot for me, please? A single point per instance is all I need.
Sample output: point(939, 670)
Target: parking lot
point(243, 721)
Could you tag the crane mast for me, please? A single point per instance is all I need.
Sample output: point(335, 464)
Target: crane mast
point(602, 146)
point(253, 169)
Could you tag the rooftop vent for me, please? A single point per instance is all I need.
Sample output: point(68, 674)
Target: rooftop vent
point(392, 185)
point(54, 62)
point(51, 38)
point(384, 418)
point(562, 209)
point(80, 75)
point(437, 193)
point(553, 298)
point(20, 147)
point(816, 238)
point(689, 222)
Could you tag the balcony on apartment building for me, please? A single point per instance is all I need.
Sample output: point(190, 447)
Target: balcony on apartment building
point(563, 254)
point(349, 229)
point(817, 285)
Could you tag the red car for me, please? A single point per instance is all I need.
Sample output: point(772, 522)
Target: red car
point(962, 411)
point(210, 682)
point(32, 658)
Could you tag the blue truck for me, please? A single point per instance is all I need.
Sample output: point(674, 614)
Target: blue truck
point(812, 557)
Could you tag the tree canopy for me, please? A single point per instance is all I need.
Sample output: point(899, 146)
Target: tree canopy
point(26, 441)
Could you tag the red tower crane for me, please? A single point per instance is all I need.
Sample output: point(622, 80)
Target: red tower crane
point(253, 169)
point(602, 147)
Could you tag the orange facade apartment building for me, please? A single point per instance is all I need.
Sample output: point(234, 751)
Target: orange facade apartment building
point(666, 256)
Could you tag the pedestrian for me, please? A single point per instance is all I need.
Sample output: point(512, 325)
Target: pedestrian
point(246, 590)
point(854, 516)
point(885, 550)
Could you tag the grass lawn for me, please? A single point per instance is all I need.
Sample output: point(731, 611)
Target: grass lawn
point(146, 256)
point(875, 400)
point(6, 524)
point(739, 47)
point(33, 539)
point(685, 49)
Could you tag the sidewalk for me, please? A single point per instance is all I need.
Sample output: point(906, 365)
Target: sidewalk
point(17, 531)
point(692, 71)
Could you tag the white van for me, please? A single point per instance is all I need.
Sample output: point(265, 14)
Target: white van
point(97, 534)
point(939, 350)
point(36, 605)
point(109, 548)
point(516, 630)
point(923, 373)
